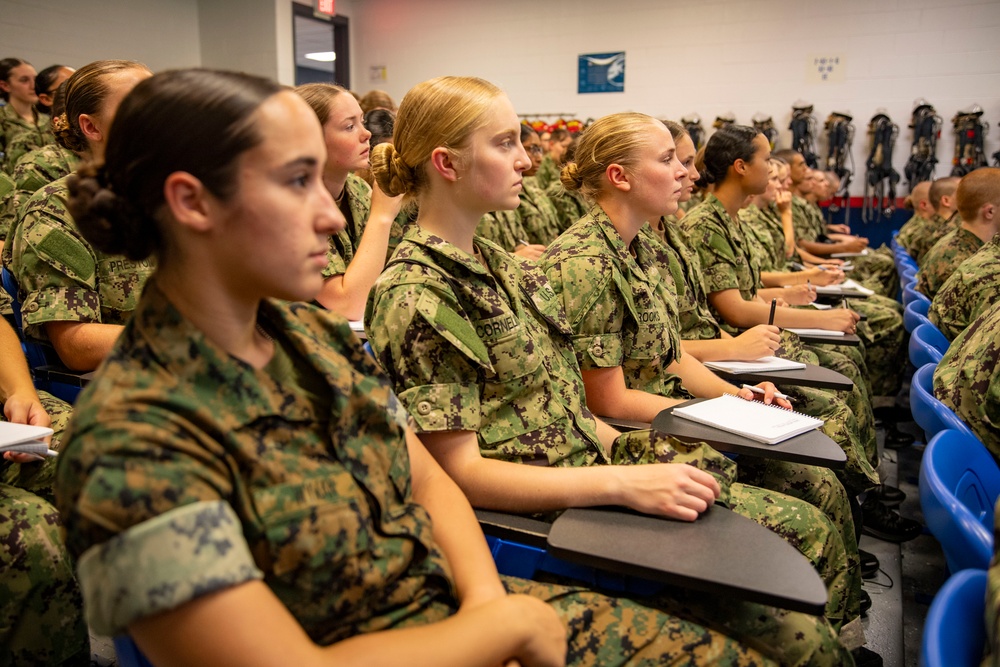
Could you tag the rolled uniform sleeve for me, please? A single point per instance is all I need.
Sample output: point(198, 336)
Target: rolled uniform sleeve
point(429, 350)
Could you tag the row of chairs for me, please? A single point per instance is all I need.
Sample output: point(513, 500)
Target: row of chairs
point(959, 486)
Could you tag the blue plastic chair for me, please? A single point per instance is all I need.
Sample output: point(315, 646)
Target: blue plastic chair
point(908, 275)
point(129, 654)
point(955, 629)
point(910, 294)
point(927, 345)
point(915, 314)
point(907, 262)
point(959, 486)
point(932, 415)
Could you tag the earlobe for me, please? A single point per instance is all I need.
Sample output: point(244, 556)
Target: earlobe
point(187, 199)
point(444, 164)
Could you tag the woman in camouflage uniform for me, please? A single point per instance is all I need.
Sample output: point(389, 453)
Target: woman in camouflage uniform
point(239, 463)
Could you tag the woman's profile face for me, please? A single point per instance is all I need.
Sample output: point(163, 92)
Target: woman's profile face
point(274, 234)
point(756, 176)
point(686, 154)
point(773, 185)
point(62, 74)
point(656, 180)
point(533, 145)
point(494, 162)
point(21, 84)
point(346, 136)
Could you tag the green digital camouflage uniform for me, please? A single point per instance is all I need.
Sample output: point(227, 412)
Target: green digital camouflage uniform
point(33, 172)
point(922, 233)
point(487, 350)
point(875, 270)
point(882, 330)
point(25, 141)
point(967, 378)
point(503, 228)
point(972, 288)
point(11, 124)
point(61, 277)
point(622, 315)
point(548, 172)
point(356, 207)
point(41, 611)
point(991, 652)
point(172, 482)
point(570, 204)
point(728, 263)
point(537, 213)
point(944, 257)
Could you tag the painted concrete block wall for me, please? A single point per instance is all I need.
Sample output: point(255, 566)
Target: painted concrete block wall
point(160, 33)
point(710, 57)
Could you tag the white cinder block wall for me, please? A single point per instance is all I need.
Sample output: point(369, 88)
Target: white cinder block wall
point(707, 57)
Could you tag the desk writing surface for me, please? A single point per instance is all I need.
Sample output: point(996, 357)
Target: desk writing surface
point(720, 553)
point(810, 376)
point(514, 527)
point(846, 339)
point(812, 448)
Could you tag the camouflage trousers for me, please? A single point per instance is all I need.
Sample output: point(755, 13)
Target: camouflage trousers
point(877, 271)
point(41, 610)
point(991, 652)
point(39, 476)
point(885, 342)
point(799, 523)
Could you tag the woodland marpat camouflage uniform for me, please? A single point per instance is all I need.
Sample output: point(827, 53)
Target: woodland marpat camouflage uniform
point(972, 288)
point(61, 277)
point(503, 228)
point(548, 172)
point(6, 190)
point(41, 611)
point(356, 208)
point(296, 474)
point(622, 315)
point(25, 141)
point(481, 344)
point(11, 125)
point(967, 379)
point(944, 257)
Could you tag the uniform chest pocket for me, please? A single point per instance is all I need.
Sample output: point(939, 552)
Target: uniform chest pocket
point(316, 532)
point(514, 355)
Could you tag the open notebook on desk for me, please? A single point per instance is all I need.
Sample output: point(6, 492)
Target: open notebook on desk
point(764, 423)
point(847, 287)
point(25, 439)
point(814, 332)
point(757, 366)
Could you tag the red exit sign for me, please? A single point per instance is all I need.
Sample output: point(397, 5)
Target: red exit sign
point(326, 7)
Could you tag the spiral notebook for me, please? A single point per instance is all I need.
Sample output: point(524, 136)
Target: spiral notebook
point(761, 365)
point(25, 439)
point(751, 419)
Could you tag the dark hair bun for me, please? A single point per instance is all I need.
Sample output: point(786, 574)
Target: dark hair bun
point(109, 222)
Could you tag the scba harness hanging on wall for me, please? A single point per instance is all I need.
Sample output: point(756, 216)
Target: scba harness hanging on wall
point(803, 127)
point(881, 179)
point(839, 137)
point(970, 132)
point(926, 126)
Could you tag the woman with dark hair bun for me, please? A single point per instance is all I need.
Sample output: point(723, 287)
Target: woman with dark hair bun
point(73, 295)
point(239, 462)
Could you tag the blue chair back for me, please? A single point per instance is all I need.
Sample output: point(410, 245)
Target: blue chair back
point(129, 654)
point(955, 630)
point(927, 345)
point(931, 414)
point(915, 314)
point(907, 263)
point(910, 294)
point(908, 276)
point(959, 486)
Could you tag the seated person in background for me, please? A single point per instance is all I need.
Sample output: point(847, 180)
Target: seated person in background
point(967, 379)
point(918, 201)
point(570, 205)
point(74, 295)
point(41, 611)
point(35, 170)
point(478, 349)
point(555, 157)
point(977, 199)
point(302, 503)
point(358, 252)
point(537, 213)
point(972, 288)
point(379, 123)
point(25, 141)
point(17, 88)
point(377, 99)
point(943, 218)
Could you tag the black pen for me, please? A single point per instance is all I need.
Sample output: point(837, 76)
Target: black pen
point(770, 318)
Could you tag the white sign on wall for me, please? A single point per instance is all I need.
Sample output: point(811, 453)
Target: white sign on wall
point(826, 67)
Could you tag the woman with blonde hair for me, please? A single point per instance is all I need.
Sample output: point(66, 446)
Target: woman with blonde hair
point(357, 252)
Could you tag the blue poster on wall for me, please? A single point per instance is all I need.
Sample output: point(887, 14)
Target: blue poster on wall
point(602, 73)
